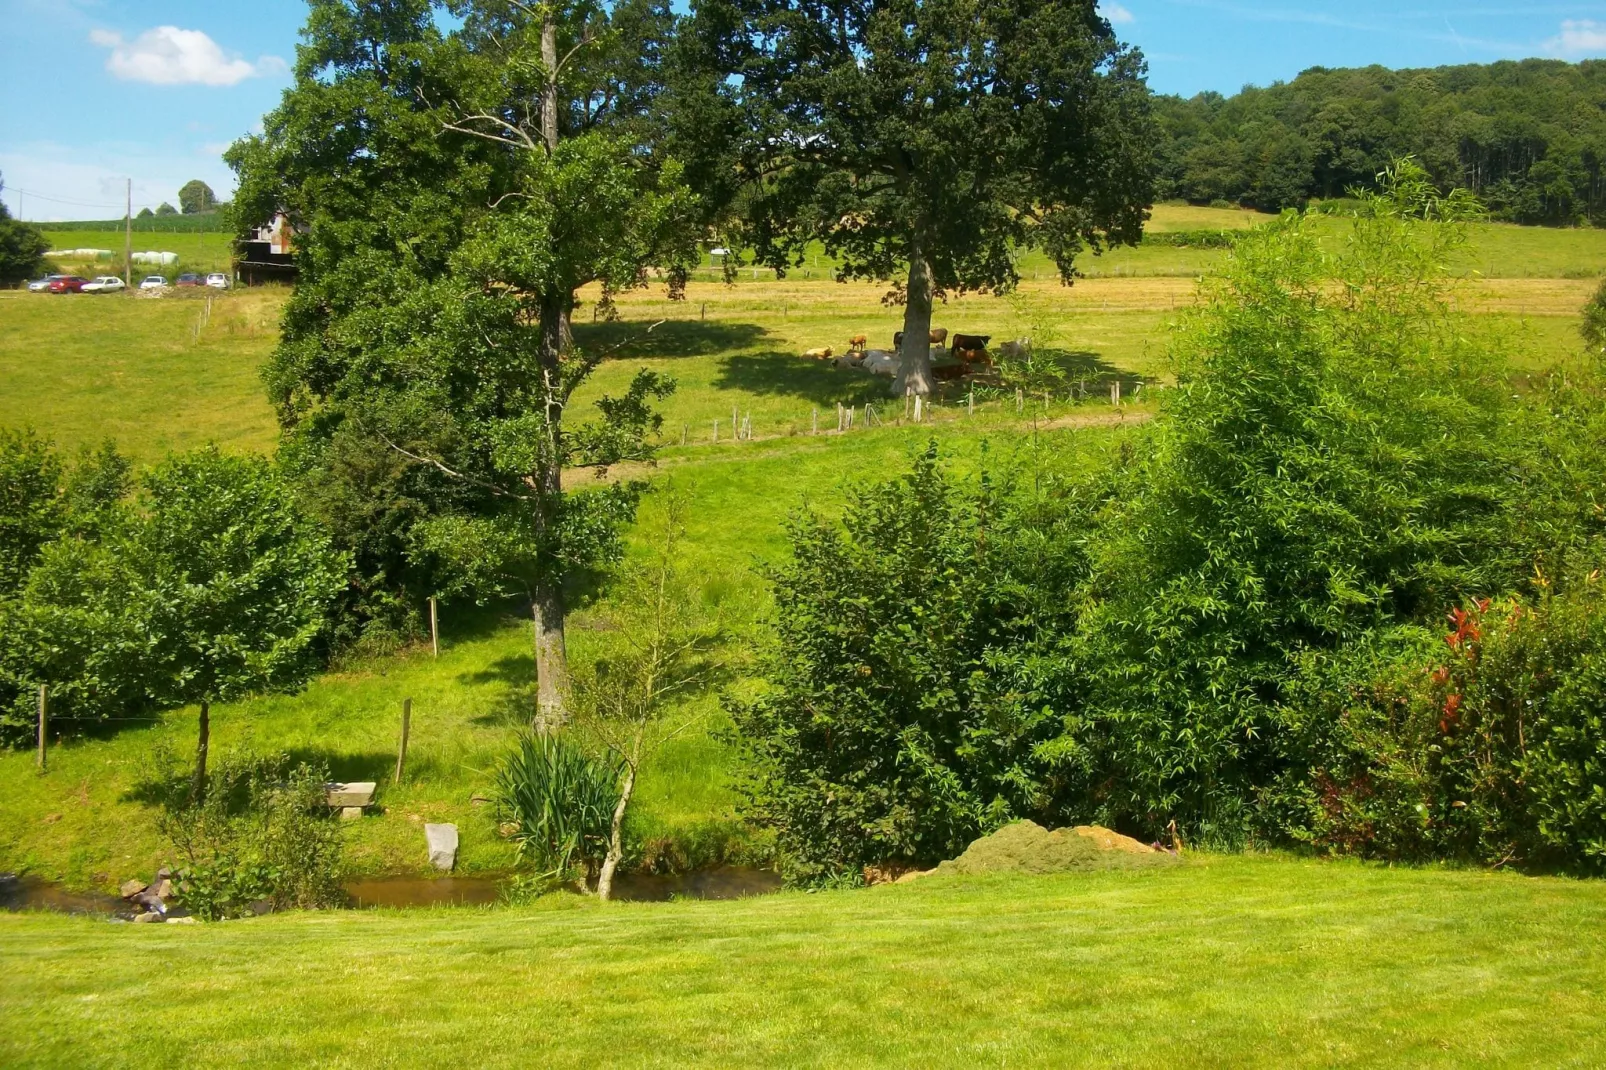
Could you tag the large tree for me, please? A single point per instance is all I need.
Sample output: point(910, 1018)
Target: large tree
point(453, 192)
point(22, 248)
point(195, 197)
point(930, 141)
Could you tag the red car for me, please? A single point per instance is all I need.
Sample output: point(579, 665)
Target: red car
point(187, 279)
point(67, 284)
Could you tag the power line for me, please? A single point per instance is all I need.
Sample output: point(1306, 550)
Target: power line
point(58, 200)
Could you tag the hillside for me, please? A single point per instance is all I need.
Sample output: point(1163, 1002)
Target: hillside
point(1528, 137)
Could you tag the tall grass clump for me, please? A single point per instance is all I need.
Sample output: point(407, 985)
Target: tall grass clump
point(560, 802)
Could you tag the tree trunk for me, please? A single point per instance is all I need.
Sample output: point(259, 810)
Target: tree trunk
point(547, 608)
point(551, 659)
point(549, 92)
point(915, 370)
point(616, 842)
point(198, 785)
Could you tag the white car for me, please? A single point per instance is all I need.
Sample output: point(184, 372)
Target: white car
point(104, 284)
point(41, 285)
point(153, 282)
point(218, 281)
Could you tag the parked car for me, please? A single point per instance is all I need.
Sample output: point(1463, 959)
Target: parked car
point(104, 284)
point(41, 285)
point(67, 284)
point(190, 279)
point(153, 282)
point(218, 281)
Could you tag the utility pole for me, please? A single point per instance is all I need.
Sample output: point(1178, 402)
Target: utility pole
point(128, 238)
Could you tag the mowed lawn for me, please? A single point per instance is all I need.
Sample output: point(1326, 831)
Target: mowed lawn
point(1222, 961)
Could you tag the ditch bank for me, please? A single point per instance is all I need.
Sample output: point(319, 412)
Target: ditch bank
point(19, 893)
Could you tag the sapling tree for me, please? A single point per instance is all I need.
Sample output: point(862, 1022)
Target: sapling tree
point(663, 646)
point(232, 584)
point(930, 141)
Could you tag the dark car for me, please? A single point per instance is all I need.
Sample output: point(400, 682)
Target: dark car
point(188, 279)
point(67, 284)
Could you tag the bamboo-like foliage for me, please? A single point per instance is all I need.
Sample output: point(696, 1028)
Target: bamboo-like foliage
point(562, 801)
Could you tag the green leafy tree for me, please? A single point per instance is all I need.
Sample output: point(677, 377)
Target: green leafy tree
point(22, 248)
point(165, 209)
point(195, 197)
point(146, 213)
point(428, 347)
point(929, 141)
point(1332, 466)
point(916, 681)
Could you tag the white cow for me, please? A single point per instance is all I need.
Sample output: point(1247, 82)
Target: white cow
point(1019, 349)
point(881, 362)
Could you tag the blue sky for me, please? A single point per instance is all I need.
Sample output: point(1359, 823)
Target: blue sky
point(98, 91)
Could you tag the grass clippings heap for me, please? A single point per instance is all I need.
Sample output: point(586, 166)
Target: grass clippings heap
point(1027, 847)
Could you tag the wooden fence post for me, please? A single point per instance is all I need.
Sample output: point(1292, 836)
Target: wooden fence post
point(970, 402)
point(401, 751)
point(814, 422)
point(44, 720)
point(716, 432)
point(434, 628)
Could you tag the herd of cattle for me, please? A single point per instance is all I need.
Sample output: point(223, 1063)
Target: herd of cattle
point(968, 352)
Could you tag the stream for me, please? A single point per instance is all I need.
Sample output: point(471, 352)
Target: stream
point(726, 882)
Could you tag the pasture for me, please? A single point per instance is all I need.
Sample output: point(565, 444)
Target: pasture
point(158, 375)
point(1221, 961)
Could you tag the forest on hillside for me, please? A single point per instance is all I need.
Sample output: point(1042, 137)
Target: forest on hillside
point(1528, 137)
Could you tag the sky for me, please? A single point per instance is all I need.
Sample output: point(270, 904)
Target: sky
point(99, 92)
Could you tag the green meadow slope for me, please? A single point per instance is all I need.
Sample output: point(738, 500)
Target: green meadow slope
point(158, 375)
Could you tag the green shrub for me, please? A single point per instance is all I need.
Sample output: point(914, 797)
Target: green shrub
point(1192, 239)
point(1486, 745)
point(1332, 465)
point(263, 834)
point(560, 801)
point(1593, 327)
point(914, 677)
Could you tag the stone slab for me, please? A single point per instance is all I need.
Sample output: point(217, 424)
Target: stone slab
point(442, 841)
point(357, 793)
point(350, 813)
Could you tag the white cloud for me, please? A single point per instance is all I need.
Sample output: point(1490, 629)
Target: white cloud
point(168, 55)
point(1117, 14)
point(1579, 37)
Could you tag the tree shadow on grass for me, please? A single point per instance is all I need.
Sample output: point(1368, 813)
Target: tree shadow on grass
point(818, 381)
point(1087, 374)
point(670, 339)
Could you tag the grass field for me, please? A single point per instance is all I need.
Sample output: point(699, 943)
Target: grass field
point(196, 252)
point(1241, 961)
point(84, 367)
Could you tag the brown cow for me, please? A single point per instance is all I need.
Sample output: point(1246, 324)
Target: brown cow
point(939, 336)
point(971, 348)
point(857, 343)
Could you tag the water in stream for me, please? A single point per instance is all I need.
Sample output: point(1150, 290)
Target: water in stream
point(728, 882)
